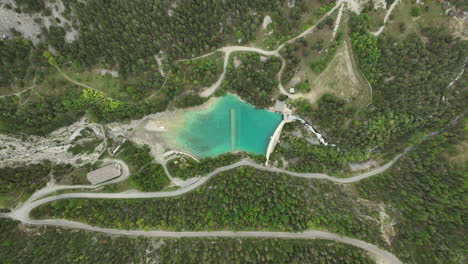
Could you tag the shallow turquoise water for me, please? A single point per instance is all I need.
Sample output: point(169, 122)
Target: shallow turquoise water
point(228, 125)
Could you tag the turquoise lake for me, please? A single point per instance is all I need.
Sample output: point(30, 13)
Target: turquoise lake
point(227, 125)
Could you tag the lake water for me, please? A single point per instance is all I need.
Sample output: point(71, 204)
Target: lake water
point(227, 125)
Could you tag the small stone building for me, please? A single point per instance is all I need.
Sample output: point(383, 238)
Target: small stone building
point(105, 173)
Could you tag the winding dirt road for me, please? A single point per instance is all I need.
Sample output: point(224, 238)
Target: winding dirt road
point(22, 212)
point(316, 234)
point(207, 92)
point(387, 16)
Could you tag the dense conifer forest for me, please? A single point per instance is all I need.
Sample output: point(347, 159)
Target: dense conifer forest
point(423, 194)
point(117, 61)
point(23, 244)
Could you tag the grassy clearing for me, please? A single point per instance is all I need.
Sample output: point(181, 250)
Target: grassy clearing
point(118, 187)
point(323, 34)
point(291, 22)
point(76, 176)
point(270, 41)
point(401, 23)
point(107, 84)
point(342, 79)
point(7, 201)
point(378, 16)
point(341, 76)
point(195, 74)
point(311, 49)
point(54, 85)
point(457, 155)
point(6, 90)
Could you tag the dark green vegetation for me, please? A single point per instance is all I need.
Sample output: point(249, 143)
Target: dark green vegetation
point(18, 183)
point(22, 181)
point(66, 174)
point(410, 67)
point(299, 18)
point(30, 5)
point(305, 157)
point(411, 97)
point(316, 50)
point(241, 199)
point(86, 142)
point(428, 187)
point(365, 47)
point(150, 178)
point(423, 194)
point(29, 245)
point(102, 109)
point(416, 11)
point(183, 30)
point(135, 156)
point(23, 65)
point(185, 168)
point(53, 101)
point(260, 251)
point(320, 65)
point(187, 29)
point(17, 62)
point(33, 118)
point(145, 175)
point(460, 4)
point(186, 78)
point(85, 147)
point(195, 74)
point(140, 89)
point(252, 79)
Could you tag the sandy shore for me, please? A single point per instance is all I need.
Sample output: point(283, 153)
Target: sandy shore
point(159, 131)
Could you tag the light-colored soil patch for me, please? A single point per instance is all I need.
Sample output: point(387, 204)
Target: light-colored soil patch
point(459, 27)
point(385, 221)
point(378, 14)
point(170, 11)
point(159, 130)
point(107, 71)
point(266, 22)
point(356, 5)
point(338, 21)
point(23, 23)
point(366, 165)
point(306, 135)
point(58, 9)
point(34, 149)
point(341, 79)
point(386, 226)
point(236, 62)
point(299, 76)
point(459, 157)
point(291, 3)
point(380, 4)
point(158, 59)
point(401, 15)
